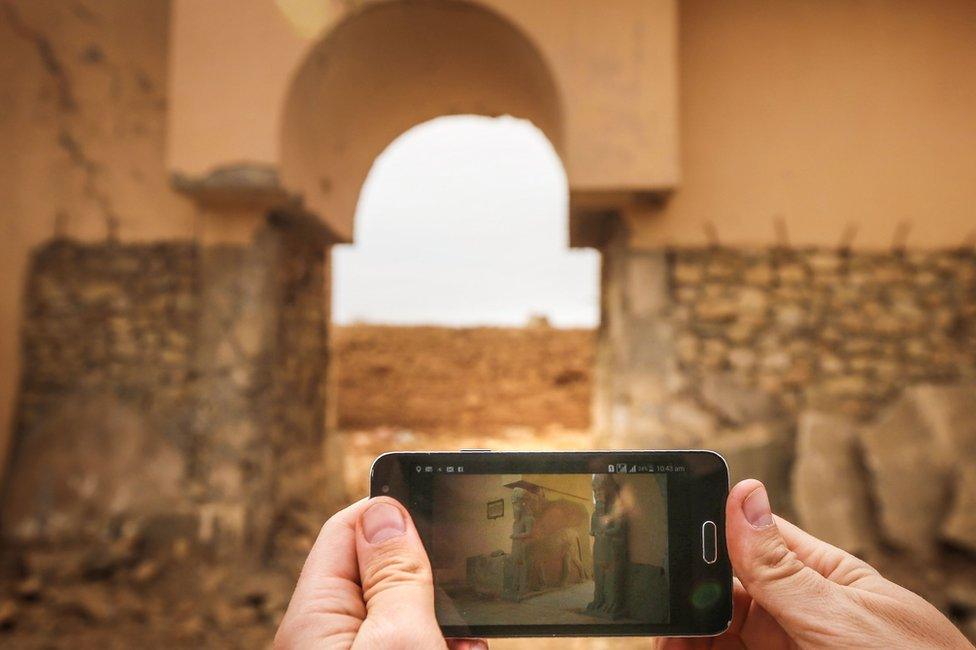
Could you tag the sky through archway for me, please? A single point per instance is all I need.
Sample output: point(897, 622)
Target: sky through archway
point(462, 221)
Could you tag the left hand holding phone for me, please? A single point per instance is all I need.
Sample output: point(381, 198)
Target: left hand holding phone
point(367, 583)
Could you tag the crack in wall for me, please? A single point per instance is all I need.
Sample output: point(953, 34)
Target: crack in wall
point(67, 139)
point(91, 171)
point(45, 51)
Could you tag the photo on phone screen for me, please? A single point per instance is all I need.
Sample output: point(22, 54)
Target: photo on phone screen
point(569, 543)
point(562, 548)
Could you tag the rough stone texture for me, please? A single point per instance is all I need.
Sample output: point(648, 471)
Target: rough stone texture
point(960, 524)
point(842, 333)
point(90, 460)
point(214, 355)
point(830, 491)
point(917, 459)
point(910, 479)
point(755, 335)
point(113, 319)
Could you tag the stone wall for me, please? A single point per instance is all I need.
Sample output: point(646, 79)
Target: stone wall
point(207, 366)
point(816, 328)
point(103, 316)
point(700, 340)
point(105, 410)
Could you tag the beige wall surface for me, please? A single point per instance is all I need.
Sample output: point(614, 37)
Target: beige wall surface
point(613, 65)
point(824, 114)
point(82, 119)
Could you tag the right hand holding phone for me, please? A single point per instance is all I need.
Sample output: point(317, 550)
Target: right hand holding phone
point(793, 589)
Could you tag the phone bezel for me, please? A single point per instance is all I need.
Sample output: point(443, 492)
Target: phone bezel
point(698, 497)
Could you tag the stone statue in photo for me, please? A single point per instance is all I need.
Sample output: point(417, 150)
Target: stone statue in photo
point(608, 526)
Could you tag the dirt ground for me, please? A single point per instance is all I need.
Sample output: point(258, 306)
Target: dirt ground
point(463, 379)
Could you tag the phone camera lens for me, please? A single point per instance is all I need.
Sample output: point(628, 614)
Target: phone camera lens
point(385, 489)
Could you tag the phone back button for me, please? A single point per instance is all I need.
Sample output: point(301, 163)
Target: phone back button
point(709, 542)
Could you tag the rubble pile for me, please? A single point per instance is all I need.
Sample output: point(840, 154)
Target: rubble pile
point(142, 586)
point(899, 491)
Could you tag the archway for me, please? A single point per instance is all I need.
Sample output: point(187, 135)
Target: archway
point(393, 65)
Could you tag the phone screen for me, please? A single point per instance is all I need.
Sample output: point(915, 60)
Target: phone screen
point(581, 543)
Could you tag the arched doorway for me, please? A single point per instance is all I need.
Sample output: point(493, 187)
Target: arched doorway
point(389, 67)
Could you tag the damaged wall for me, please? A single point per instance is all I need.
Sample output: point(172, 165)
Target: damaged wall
point(700, 339)
point(208, 361)
point(82, 118)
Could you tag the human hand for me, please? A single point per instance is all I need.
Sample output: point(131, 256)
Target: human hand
point(367, 583)
point(794, 590)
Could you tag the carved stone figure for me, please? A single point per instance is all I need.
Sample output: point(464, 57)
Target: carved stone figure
point(549, 544)
point(608, 526)
point(524, 505)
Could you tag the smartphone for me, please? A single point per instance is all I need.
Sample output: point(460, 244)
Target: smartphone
point(588, 543)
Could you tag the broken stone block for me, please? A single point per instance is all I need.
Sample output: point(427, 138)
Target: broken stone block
point(829, 491)
point(960, 524)
point(909, 476)
point(948, 411)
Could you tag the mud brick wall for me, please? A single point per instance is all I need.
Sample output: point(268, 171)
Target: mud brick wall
point(824, 329)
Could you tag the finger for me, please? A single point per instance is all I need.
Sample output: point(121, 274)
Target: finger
point(831, 562)
point(761, 630)
point(396, 578)
point(741, 600)
point(327, 603)
point(334, 552)
point(772, 573)
point(467, 644)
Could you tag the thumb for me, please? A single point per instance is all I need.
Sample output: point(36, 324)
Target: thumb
point(396, 580)
point(771, 572)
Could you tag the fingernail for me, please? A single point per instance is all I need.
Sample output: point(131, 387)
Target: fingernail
point(381, 521)
point(756, 508)
point(468, 644)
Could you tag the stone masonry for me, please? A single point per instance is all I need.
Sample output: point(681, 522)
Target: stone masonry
point(701, 340)
point(823, 329)
point(203, 367)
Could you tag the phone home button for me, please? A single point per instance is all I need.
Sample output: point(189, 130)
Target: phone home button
point(709, 542)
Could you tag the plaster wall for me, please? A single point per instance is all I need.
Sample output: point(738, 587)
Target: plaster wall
point(825, 115)
point(613, 66)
